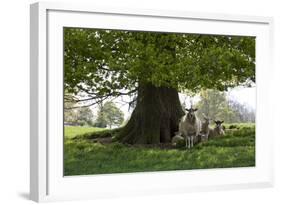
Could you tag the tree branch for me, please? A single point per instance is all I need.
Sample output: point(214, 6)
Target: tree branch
point(100, 99)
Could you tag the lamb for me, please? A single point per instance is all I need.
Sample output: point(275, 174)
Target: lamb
point(189, 127)
point(177, 138)
point(205, 129)
point(218, 130)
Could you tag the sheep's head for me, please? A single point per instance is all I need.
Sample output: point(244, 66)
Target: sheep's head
point(207, 119)
point(191, 113)
point(218, 124)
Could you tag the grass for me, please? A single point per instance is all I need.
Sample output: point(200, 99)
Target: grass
point(97, 133)
point(73, 131)
point(83, 156)
point(239, 125)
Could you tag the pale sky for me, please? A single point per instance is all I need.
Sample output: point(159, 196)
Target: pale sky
point(243, 95)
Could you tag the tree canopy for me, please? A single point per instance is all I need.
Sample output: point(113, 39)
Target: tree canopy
point(100, 64)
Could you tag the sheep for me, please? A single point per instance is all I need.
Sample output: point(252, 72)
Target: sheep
point(177, 138)
point(189, 127)
point(218, 130)
point(205, 129)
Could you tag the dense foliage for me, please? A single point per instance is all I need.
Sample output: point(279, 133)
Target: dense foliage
point(100, 64)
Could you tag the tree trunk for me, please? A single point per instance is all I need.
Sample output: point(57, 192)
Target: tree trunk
point(155, 118)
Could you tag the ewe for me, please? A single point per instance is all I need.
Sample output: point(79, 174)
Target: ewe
point(189, 127)
point(205, 130)
point(218, 130)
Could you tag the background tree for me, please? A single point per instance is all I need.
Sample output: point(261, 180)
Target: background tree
point(70, 115)
point(109, 115)
point(79, 116)
point(85, 116)
point(100, 121)
point(152, 68)
point(243, 112)
point(215, 104)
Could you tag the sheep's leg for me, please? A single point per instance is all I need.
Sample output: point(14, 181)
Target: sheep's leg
point(192, 140)
point(185, 141)
point(189, 142)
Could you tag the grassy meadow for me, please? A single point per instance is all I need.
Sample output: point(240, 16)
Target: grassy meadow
point(89, 150)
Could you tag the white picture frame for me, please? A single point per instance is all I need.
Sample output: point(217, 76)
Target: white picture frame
point(47, 182)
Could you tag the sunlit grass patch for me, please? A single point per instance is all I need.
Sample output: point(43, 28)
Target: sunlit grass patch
point(72, 131)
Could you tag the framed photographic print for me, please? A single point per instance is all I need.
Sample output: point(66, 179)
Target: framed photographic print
point(129, 102)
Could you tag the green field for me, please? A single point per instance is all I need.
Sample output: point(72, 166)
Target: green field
point(72, 131)
point(85, 153)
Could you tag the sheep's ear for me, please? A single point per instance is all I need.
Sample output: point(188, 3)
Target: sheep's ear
point(222, 122)
point(187, 109)
point(195, 109)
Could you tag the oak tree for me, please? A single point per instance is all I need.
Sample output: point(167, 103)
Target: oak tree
point(152, 67)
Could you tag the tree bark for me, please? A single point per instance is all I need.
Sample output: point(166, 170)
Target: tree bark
point(155, 117)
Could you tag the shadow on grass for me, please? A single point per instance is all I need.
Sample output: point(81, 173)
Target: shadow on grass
point(83, 157)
